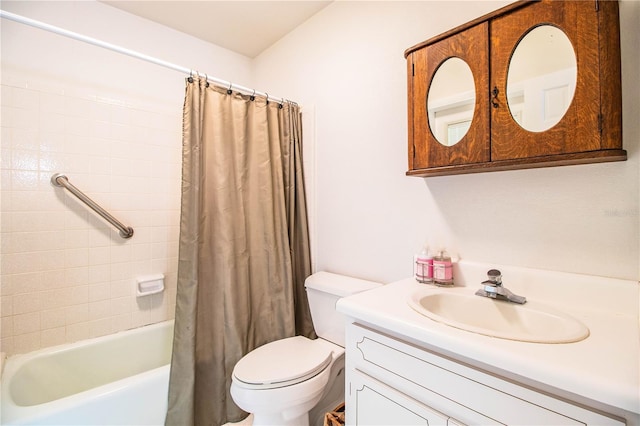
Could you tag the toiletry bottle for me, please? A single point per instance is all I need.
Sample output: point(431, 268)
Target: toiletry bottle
point(442, 269)
point(424, 266)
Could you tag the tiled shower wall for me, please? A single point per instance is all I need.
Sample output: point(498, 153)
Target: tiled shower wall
point(66, 273)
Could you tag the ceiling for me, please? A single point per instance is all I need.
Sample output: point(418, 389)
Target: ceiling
point(247, 27)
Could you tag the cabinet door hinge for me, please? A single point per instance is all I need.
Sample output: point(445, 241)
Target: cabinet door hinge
point(413, 70)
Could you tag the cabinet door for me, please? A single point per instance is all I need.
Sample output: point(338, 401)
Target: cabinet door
point(380, 405)
point(579, 129)
point(425, 151)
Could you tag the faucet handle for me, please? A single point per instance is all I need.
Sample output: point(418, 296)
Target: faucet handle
point(494, 277)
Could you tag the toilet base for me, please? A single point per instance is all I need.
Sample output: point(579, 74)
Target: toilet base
point(276, 419)
point(333, 395)
point(287, 406)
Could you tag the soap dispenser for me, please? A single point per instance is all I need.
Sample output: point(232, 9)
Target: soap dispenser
point(442, 269)
point(423, 266)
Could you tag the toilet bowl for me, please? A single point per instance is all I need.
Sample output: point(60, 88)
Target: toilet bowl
point(280, 382)
point(289, 382)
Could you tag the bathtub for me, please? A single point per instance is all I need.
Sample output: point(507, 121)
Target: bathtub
point(118, 379)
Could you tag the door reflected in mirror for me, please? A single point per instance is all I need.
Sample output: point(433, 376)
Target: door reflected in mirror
point(541, 80)
point(450, 101)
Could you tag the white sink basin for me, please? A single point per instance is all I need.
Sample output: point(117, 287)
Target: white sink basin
point(531, 322)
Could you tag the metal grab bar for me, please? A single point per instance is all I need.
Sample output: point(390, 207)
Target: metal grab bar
point(61, 180)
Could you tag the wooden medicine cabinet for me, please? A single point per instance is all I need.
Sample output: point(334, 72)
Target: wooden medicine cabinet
point(534, 84)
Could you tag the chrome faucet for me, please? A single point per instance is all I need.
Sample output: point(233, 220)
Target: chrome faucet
point(493, 289)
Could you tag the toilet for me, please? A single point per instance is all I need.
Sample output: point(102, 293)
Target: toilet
point(282, 381)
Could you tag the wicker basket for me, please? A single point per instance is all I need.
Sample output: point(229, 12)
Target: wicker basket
point(335, 417)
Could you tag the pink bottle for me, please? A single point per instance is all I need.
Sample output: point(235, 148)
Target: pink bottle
point(442, 269)
point(424, 266)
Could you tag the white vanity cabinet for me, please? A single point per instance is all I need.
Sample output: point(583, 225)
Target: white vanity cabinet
point(393, 382)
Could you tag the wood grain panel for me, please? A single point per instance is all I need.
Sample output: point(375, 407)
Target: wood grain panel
point(471, 46)
point(578, 130)
point(610, 75)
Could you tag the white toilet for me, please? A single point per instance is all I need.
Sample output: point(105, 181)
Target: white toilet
point(280, 382)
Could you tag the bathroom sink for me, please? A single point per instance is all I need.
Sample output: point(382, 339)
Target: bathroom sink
point(531, 322)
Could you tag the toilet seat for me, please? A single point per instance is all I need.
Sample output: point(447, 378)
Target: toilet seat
point(282, 363)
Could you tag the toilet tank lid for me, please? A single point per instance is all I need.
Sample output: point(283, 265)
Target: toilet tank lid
point(339, 285)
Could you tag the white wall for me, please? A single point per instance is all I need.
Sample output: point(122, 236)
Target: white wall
point(113, 125)
point(347, 64)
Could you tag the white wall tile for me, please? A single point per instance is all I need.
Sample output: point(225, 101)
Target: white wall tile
point(51, 122)
point(99, 310)
point(6, 288)
point(101, 130)
point(27, 303)
point(6, 306)
point(77, 314)
point(76, 238)
point(5, 156)
point(53, 279)
point(121, 322)
point(121, 306)
point(6, 95)
point(53, 336)
point(52, 103)
point(53, 318)
point(120, 271)
point(76, 276)
point(51, 141)
point(78, 106)
point(24, 283)
point(100, 327)
point(78, 331)
point(24, 160)
point(7, 345)
point(74, 258)
point(24, 343)
point(26, 323)
point(5, 181)
point(6, 326)
point(98, 292)
point(26, 139)
point(122, 288)
point(99, 256)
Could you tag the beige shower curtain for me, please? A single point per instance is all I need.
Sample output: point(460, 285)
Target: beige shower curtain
point(244, 245)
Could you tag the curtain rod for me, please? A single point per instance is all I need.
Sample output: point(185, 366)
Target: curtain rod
point(80, 37)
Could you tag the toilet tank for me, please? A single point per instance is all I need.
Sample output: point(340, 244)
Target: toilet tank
point(323, 291)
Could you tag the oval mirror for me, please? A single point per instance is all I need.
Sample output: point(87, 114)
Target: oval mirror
point(541, 79)
point(450, 101)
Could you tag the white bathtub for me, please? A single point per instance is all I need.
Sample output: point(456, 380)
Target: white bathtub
point(120, 379)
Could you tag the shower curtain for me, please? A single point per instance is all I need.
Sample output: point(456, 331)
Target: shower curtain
point(244, 245)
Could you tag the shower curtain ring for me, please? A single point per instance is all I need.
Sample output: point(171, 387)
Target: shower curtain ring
point(229, 91)
point(206, 79)
point(282, 104)
point(267, 97)
point(190, 79)
point(253, 95)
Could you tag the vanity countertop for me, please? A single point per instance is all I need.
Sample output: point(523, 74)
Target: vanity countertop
point(601, 371)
